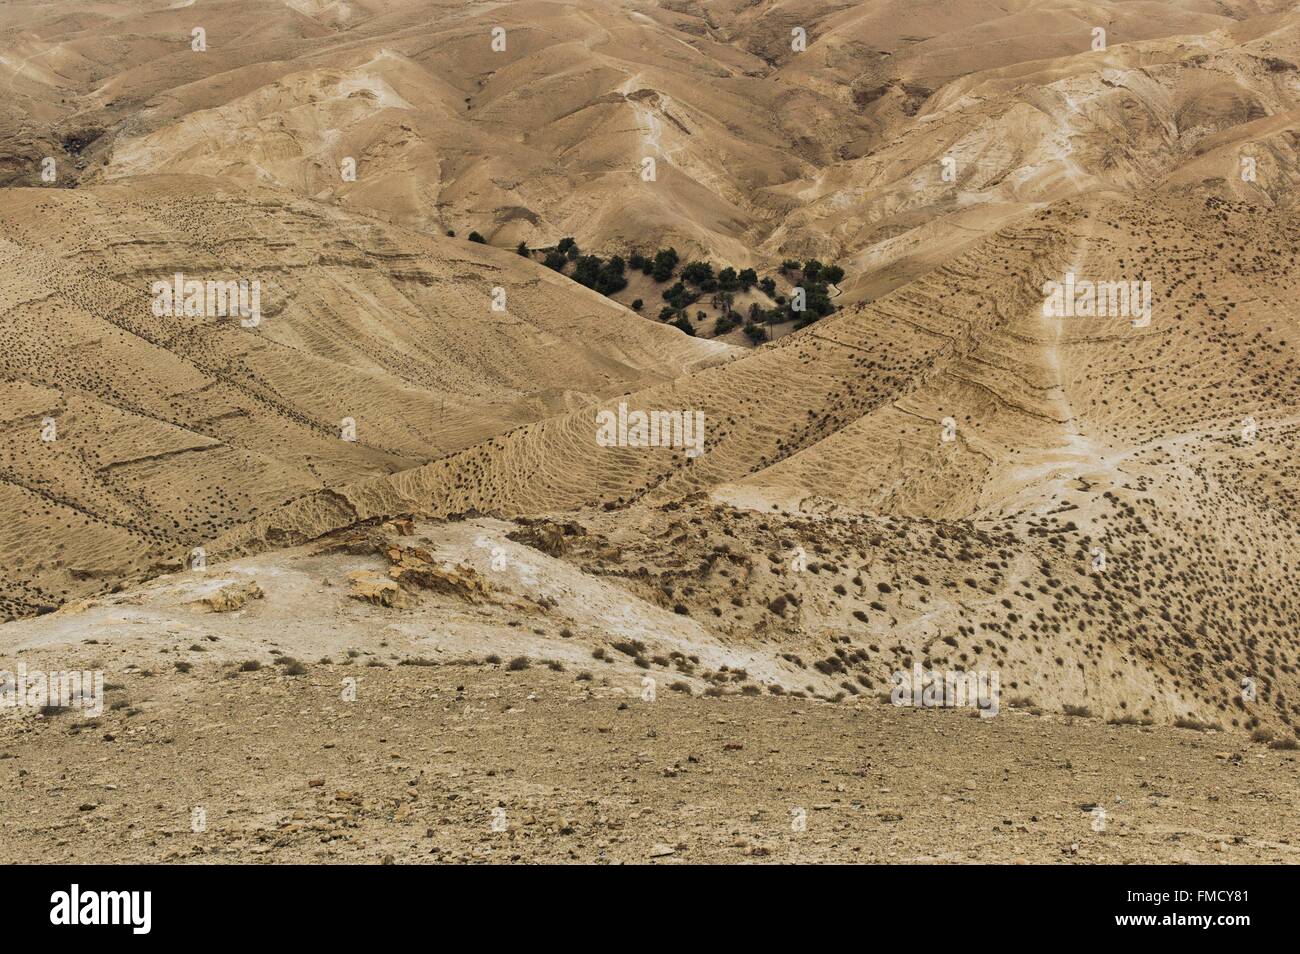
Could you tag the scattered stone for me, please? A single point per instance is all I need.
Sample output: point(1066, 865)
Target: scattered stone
point(547, 536)
point(370, 587)
point(415, 567)
point(231, 597)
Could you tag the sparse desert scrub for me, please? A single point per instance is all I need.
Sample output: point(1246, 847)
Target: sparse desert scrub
point(911, 455)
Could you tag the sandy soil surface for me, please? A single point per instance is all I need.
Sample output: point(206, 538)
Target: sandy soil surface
point(428, 759)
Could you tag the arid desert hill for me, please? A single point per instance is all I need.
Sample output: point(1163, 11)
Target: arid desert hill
point(807, 419)
point(836, 149)
point(1117, 500)
point(1100, 506)
point(130, 437)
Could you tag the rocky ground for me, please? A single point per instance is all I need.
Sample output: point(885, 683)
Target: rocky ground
point(429, 760)
point(420, 691)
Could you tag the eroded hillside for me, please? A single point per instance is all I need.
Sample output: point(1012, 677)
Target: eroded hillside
point(130, 437)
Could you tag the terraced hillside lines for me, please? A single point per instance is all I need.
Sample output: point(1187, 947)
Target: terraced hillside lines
point(895, 458)
point(1149, 503)
point(759, 411)
point(1065, 453)
point(755, 411)
point(1075, 436)
point(169, 429)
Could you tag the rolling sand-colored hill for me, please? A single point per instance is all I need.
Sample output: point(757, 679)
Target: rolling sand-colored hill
point(401, 463)
point(762, 152)
point(170, 429)
point(1070, 435)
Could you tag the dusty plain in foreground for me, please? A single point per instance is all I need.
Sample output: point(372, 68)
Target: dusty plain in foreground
point(412, 771)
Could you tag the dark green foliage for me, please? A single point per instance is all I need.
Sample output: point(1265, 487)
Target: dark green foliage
point(586, 270)
point(819, 299)
point(605, 277)
point(697, 272)
point(697, 279)
point(817, 304)
point(664, 264)
point(679, 296)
